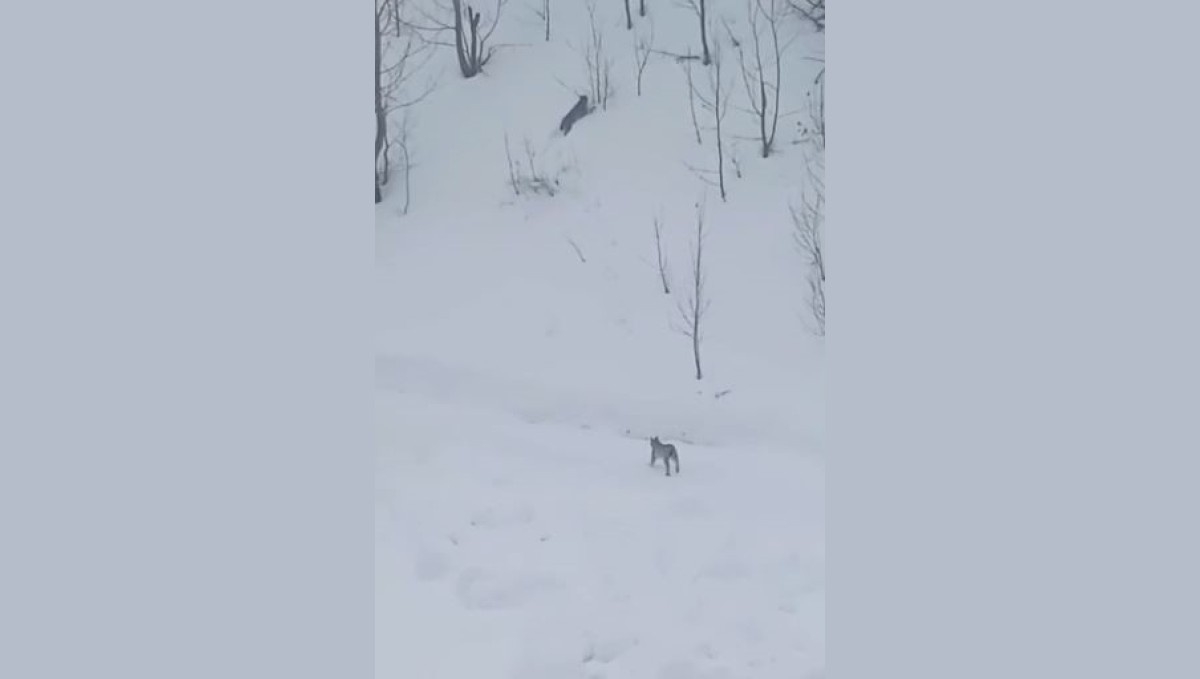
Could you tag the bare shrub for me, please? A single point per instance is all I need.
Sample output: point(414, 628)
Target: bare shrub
point(596, 61)
point(715, 101)
point(809, 223)
point(809, 218)
point(693, 306)
point(529, 175)
point(762, 68)
point(398, 57)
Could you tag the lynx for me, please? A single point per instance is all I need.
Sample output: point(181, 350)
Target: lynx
point(665, 451)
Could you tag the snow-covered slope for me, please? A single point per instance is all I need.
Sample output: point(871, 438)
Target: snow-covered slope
point(525, 350)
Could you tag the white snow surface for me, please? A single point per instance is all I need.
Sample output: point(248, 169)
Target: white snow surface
point(521, 532)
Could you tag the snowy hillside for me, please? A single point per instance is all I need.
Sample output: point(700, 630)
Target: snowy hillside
point(526, 351)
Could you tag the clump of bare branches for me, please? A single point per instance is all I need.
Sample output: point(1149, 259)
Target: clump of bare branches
point(399, 56)
point(467, 24)
point(809, 218)
point(642, 47)
point(762, 69)
point(664, 272)
point(597, 62)
point(529, 175)
point(693, 305)
point(809, 223)
point(700, 9)
point(812, 10)
point(715, 101)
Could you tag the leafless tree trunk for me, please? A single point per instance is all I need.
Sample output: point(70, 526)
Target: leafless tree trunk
point(642, 8)
point(694, 305)
point(628, 17)
point(763, 80)
point(716, 103)
point(700, 8)
point(663, 268)
point(642, 48)
point(468, 51)
point(470, 36)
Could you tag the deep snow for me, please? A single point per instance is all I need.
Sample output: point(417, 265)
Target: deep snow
point(520, 531)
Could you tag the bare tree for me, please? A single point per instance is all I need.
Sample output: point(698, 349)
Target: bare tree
point(663, 267)
point(596, 61)
point(628, 17)
point(809, 222)
point(716, 103)
point(809, 219)
point(642, 47)
point(700, 8)
point(641, 8)
point(762, 76)
point(694, 304)
point(471, 32)
point(398, 58)
point(473, 53)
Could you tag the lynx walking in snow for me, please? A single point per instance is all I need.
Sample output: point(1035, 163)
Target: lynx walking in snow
point(665, 451)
